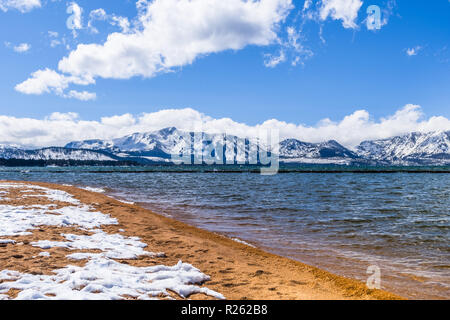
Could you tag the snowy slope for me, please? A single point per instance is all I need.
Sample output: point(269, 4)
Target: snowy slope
point(416, 147)
point(54, 153)
point(291, 149)
point(162, 144)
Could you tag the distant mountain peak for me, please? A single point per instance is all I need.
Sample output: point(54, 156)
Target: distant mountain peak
point(296, 149)
point(168, 130)
point(412, 147)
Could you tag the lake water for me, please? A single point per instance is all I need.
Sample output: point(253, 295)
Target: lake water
point(343, 222)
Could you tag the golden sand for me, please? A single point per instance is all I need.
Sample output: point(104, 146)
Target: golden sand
point(237, 271)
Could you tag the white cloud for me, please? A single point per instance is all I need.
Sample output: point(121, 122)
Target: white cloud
point(101, 15)
point(294, 42)
point(126, 120)
point(81, 95)
point(344, 10)
point(319, 11)
point(271, 61)
point(54, 43)
point(292, 49)
point(59, 128)
point(50, 81)
point(307, 4)
point(43, 81)
point(121, 22)
point(413, 51)
point(20, 48)
point(58, 116)
point(20, 5)
point(174, 33)
point(23, 47)
point(97, 14)
point(53, 34)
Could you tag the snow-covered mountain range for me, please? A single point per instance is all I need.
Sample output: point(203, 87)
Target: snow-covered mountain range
point(292, 150)
point(54, 153)
point(159, 146)
point(421, 148)
point(411, 149)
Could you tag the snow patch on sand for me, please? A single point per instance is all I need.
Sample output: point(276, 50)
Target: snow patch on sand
point(19, 220)
point(243, 242)
point(114, 246)
point(55, 195)
point(6, 241)
point(2, 193)
point(126, 202)
point(92, 189)
point(51, 194)
point(101, 277)
point(44, 254)
point(105, 279)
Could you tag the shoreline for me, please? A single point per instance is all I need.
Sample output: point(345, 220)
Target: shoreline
point(236, 270)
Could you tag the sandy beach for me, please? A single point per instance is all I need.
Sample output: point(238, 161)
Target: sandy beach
point(56, 242)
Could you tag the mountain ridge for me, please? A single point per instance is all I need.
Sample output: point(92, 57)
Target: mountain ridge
point(409, 148)
point(415, 148)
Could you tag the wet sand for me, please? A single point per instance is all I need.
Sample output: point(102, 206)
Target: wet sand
point(237, 271)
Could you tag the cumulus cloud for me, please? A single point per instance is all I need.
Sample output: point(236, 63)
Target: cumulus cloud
point(344, 10)
point(174, 33)
point(58, 116)
point(169, 34)
point(43, 81)
point(61, 128)
point(50, 81)
point(20, 5)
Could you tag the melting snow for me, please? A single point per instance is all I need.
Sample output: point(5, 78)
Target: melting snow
point(6, 241)
point(44, 254)
point(126, 202)
point(105, 279)
point(243, 242)
point(101, 277)
point(114, 246)
point(98, 190)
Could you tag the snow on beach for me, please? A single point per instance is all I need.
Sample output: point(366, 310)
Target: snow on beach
point(101, 277)
point(92, 189)
point(243, 242)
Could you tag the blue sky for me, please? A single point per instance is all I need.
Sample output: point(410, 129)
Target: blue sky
point(336, 66)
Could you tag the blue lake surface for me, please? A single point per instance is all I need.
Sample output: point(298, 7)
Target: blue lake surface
point(343, 222)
